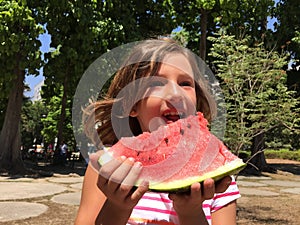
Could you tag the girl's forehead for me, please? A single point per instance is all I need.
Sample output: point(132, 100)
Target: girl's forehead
point(180, 62)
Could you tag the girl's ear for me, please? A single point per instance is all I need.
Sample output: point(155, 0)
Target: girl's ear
point(133, 113)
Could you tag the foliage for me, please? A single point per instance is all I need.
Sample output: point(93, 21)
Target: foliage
point(196, 20)
point(139, 19)
point(287, 28)
point(254, 86)
point(281, 137)
point(50, 122)
point(282, 154)
point(247, 17)
point(81, 31)
point(19, 47)
point(78, 35)
point(31, 123)
point(18, 35)
point(239, 17)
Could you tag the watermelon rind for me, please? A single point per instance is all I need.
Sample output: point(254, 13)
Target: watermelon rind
point(177, 186)
point(230, 168)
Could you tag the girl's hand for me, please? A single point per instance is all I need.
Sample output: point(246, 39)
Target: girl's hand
point(190, 205)
point(116, 180)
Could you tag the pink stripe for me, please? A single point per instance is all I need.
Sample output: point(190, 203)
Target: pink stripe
point(206, 206)
point(169, 212)
point(226, 194)
point(157, 199)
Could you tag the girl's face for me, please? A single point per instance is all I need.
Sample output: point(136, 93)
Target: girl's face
point(170, 95)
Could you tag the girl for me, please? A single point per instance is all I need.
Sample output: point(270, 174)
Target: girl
point(159, 83)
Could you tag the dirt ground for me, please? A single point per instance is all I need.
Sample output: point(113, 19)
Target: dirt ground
point(252, 210)
point(282, 209)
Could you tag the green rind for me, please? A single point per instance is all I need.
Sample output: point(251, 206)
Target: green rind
point(230, 168)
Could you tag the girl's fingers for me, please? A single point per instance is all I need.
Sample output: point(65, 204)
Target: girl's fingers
point(106, 171)
point(140, 191)
point(120, 173)
point(208, 188)
point(196, 190)
point(223, 184)
point(133, 174)
point(119, 176)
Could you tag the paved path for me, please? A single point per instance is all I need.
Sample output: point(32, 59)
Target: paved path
point(16, 194)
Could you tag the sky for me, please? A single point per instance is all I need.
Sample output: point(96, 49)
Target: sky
point(46, 40)
point(34, 80)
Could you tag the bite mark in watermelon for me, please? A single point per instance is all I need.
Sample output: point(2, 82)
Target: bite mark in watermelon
point(177, 155)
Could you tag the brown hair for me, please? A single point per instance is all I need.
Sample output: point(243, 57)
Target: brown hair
point(144, 61)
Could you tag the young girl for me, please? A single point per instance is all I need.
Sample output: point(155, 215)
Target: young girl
point(159, 83)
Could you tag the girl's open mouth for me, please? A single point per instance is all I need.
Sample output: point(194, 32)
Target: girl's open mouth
point(172, 116)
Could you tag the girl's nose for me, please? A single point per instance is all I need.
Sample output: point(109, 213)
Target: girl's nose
point(173, 93)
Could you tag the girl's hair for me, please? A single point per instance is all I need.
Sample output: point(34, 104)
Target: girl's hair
point(143, 61)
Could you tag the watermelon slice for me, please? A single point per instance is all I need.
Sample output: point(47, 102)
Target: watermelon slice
point(177, 155)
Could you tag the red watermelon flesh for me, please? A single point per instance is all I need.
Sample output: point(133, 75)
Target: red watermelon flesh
point(178, 154)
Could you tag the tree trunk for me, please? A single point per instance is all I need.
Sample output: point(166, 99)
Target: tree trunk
point(264, 27)
point(61, 123)
point(203, 27)
point(10, 139)
point(259, 159)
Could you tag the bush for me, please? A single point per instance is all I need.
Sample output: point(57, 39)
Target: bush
point(283, 154)
point(274, 154)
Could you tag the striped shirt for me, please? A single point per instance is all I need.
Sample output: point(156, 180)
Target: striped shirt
point(157, 208)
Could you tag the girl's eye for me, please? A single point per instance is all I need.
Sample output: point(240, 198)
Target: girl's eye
point(186, 83)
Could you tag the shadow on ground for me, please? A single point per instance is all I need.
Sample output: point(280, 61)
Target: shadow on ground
point(286, 167)
point(42, 169)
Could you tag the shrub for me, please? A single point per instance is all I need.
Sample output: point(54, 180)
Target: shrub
point(283, 154)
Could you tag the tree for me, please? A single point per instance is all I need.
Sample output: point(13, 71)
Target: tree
point(73, 30)
point(287, 35)
point(201, 19)
point(287, 29)
point(193, 17)
point(139, 19)
point(82, 31)
point(49, 131)
point(19, 56)
point(3, 100)
point(249, 17)
point(31, 123)
point(256, 94)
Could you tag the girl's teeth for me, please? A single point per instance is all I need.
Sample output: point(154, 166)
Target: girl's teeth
point(173, 114)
